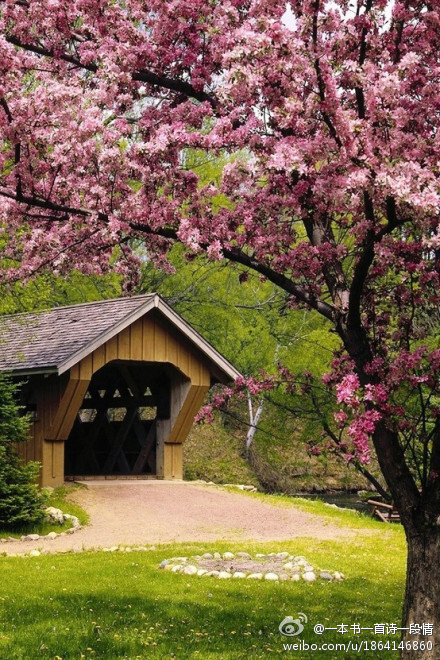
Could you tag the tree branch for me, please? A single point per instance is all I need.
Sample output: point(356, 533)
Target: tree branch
point(321, 84)
point(367, 255)
point(360, 98)
point(142, 75)
point(299, 293)
point(17, 146)
point(319, 233)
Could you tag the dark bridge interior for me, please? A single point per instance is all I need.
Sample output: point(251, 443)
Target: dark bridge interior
point(115, 429)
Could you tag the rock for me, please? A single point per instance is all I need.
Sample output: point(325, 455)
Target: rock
point(309, 576)
point(326, 576)
point(168, 567)
point(243, 555)
point(224, 575)
point(295, 577)
point(288, 566)
point(201, 572)
point(259, 555)
point(271, 576)
point(338, 576)
point(207, 555)
point(217, 555)
point(239, 574)
point(54, 515)
point(51, 535)
point(113, 548)
point(34, 553)
point(190, 569)
point(30, 537)
point(255, 576)
point(178, 568)
point(164, 563)
point(228, 555)
point(282, 555)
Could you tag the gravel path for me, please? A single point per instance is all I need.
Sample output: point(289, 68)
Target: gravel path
point(145, 512)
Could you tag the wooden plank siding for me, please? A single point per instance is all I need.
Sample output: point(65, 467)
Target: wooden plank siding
point(146, 340)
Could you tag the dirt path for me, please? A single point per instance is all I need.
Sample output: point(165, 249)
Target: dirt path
point(147, 512)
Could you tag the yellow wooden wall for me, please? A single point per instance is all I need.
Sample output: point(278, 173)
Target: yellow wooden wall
point(149, 339)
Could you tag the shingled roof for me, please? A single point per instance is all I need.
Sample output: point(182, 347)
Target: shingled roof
point(52, 341)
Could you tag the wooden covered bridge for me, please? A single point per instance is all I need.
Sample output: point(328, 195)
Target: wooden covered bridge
point(112, 386)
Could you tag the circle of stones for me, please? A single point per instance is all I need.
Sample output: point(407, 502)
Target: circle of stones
point(241, 565)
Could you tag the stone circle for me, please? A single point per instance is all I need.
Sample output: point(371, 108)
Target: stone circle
point(271, 567)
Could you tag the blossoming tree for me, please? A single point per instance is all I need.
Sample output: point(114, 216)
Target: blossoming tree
point(328, 117)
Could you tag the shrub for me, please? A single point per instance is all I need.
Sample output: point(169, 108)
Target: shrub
point(20, 501)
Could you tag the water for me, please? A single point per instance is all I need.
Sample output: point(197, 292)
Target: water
point(343, 500)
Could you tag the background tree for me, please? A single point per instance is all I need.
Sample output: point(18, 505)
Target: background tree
point(329, 123)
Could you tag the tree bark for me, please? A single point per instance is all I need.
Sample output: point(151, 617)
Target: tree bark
point(253, 423)
point(422, 593)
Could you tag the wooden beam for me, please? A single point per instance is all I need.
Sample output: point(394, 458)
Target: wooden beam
point(116, 454)
point(145, 451)
point(67, 410)
point(147, 401)
point(190, 407)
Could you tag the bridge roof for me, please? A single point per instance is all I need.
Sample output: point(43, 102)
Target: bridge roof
point(53, 341)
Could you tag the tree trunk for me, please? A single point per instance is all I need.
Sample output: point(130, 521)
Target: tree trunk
point(421, 521)
point(421, 609)
point(253, 423)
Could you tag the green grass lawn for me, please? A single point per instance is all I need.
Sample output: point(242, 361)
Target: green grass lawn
point(120, 606)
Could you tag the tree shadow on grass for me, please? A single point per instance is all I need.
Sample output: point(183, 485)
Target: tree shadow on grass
point(185, 617)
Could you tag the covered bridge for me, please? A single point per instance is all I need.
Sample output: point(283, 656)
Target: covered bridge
point(112, 386)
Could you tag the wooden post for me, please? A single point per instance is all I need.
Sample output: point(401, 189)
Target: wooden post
point(56, 428)
point(186, 400)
